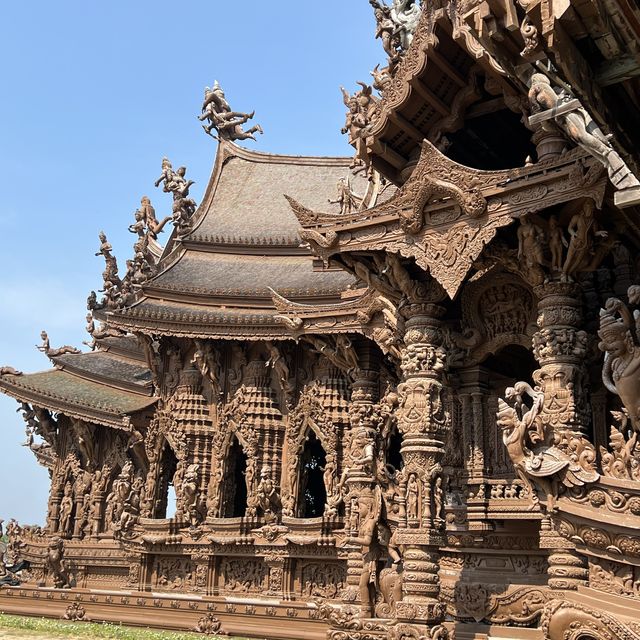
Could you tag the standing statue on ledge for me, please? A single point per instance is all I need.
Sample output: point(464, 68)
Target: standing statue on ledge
point(45, 347)
point(347, 199)
point(583, 230)
point(228, 124)
point(56, 565)
point(619, 335)
point(268, 498)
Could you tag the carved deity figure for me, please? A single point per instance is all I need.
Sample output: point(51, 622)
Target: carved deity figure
point(532, 458)
point(278, 363)
point(56, 564)
point(217, 112)
point(207, 361)
point(556, 243)
point(66, 507)
point(347, 199)
point(174, 182)
point(530, 244)
point(396, 24)
point(374, 536)
point(45, 347)
point(191, 503)
point(413, 499)
point(267, 496)
point(583, 229)
point(580, 128)
point(360, 106)
point(146, 222)
point(619, 335)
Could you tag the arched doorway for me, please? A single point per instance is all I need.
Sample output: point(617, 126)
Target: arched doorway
point(165, 504)
point(312, 496)
point(235, 484)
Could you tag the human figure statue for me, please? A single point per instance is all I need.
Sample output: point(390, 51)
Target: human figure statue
point(359, 108)
point(268, 498)
point(174, 182)
point(386, 31)
point(278, 363)
point(111, 265)
point(347, 199)
point(580, 128)
point(148, 216)
point(413, 498)
point(45, 347)
point(530, 243)
point(619, 335)
point(66, 506)
point(56, 564)
point(373, 537)
point(582, 229)
point(438, 502)
point(556, 243)
point(227, 123)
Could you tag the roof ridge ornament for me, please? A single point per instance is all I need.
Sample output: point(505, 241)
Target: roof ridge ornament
point(45, 347)
point(174, 182)
point(219, 116)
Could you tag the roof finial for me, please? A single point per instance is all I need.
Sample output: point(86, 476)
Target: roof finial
point(217, 112)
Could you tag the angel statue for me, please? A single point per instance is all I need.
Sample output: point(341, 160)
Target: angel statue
point(228, 124)
point(532, 457)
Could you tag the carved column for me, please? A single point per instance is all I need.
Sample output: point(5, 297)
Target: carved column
point(423, 420)
point(560, 348)
point(359, 478)
point(472, 393)
point(567, 569)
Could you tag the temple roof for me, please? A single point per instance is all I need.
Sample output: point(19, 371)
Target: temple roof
point(243, 243)
point(245, 196)
point(76, 396)
point(103, 386)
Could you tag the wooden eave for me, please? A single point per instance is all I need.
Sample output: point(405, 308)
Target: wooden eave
point(329, 318)
point(445, 214)
point(107, 414)
point(142, 388)
point(436, 68)
point(182, 321)
point(609, 27)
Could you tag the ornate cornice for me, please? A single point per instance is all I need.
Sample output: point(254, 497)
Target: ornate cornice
point(446, 213)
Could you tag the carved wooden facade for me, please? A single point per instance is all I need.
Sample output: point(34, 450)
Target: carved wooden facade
point(420, 423)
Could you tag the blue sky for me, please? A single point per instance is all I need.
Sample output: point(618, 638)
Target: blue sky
point(94, 94)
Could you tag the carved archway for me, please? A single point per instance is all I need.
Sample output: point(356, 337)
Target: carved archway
point(498, 310)
point(309, 416)
point(233, 427)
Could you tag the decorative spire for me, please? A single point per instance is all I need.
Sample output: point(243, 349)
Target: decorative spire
point(218, 115)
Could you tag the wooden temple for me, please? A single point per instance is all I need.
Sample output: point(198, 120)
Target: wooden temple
point(389, 396)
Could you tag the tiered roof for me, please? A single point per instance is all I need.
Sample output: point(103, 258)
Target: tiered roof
point(215, 282)
point(106, 386)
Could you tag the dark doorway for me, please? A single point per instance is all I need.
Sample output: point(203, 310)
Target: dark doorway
point(162, 507)
point(235, 489)
point(313, 495)
point(394, 457)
